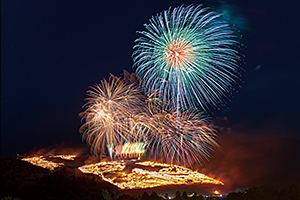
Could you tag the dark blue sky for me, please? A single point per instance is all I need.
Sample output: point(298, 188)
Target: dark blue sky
point(52, 51)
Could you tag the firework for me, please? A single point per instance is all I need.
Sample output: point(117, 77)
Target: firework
point(122, 123)
point(187, 56)
point(130, 150)
point(178, 137)
point(110, 115)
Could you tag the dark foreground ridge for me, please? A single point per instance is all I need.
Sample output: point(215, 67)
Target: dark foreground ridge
point(262, 170)
point(26, 181)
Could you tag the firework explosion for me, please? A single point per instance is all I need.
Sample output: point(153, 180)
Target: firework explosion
point(130, 150)
point(185, 60)
point(186, 55)
point(178, 137)
point(110, 115)
point(137, 125)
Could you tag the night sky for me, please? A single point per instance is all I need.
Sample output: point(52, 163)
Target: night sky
point(52, 51)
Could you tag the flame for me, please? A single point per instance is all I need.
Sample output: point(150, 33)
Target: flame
point(216, 192)
point(42, 162)
point(146, 174)
point(140, 178)
point(65, 157)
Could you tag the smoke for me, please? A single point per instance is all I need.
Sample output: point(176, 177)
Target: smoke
point(234, 15)
point(58, 149)
point(252, 160)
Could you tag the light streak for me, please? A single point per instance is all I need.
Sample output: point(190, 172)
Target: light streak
point(130, 150)
point(177, 137)
point(122, 123)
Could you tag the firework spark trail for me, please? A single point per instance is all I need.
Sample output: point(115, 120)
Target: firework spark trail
point(130, 150)
point(185, 60)
point(187, 55)
point(174, 137)
point(110, 115)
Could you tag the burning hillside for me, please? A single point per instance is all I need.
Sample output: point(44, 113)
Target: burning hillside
point(139, 175)
point(131, 174)
point(42, 162)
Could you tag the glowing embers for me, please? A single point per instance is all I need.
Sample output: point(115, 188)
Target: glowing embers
point(65, 157)
point(103, 167)
point(42, 162)
point(146, 174)
point(130, 150)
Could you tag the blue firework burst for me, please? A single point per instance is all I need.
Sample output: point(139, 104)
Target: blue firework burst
point(187, 56)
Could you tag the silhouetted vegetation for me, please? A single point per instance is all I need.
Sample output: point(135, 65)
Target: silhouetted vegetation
point(197, 197)
point(267, 192)
point(21, 180)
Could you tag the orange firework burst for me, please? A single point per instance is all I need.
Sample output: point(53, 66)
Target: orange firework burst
point(178, 53)
point(110, 115)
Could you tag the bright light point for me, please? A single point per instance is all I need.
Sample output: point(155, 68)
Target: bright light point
point(216, 192)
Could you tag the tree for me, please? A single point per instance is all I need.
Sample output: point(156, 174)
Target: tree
point(235, 196)
point(184, 196)
point(145, 196)
point(166, 196)
point(177, 196)
point(263, 192)
point(291, 192)
point(197, 197)
point(108, 195)
point(154, 196)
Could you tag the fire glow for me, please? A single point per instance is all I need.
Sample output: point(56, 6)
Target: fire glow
point(142, 177)
point(47, 164)
point(132, 174)
point(42, 162)
point(65, 157)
